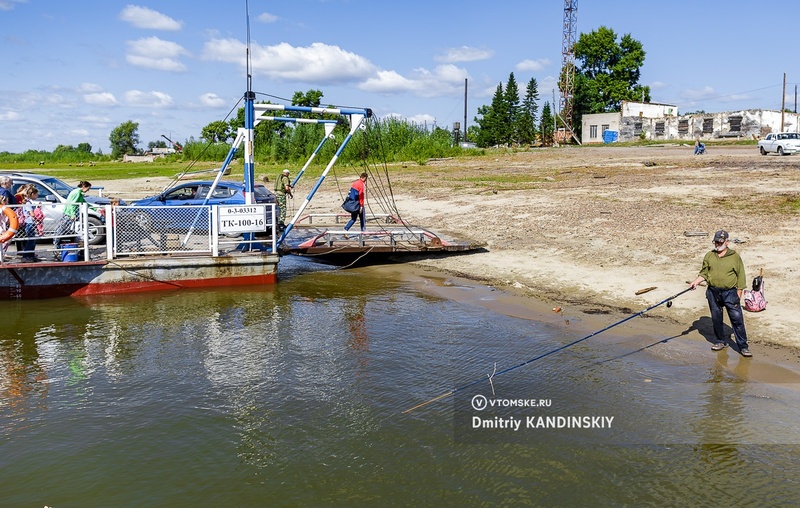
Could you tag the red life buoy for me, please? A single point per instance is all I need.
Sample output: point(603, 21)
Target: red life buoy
point(13, 223)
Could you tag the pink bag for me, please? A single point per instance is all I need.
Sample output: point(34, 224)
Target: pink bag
point(754, 299)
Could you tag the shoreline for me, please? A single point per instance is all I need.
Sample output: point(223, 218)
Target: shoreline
point(587, 227)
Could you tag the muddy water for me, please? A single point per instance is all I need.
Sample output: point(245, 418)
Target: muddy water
point(294, 395)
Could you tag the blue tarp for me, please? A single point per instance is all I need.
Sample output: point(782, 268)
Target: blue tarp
point(610, 136)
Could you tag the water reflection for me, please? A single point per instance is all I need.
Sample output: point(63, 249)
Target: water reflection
point(293, 392)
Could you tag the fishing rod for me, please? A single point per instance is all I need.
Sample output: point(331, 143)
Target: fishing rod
point(668, 301)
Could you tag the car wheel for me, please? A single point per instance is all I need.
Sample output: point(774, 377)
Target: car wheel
point(761, 149)
point(780, 150)
point(97, 231)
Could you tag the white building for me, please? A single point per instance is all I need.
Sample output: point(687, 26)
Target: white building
point(638, 120)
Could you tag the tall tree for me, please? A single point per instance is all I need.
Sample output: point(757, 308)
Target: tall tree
point(546, 126)
point(510, 112)
point(124, 139)
point(491, 120)
point(526, 119)
point(607, 72)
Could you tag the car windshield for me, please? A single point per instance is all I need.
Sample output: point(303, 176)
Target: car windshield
point(57, 185)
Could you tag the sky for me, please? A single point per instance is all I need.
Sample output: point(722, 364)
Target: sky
point(73, 71)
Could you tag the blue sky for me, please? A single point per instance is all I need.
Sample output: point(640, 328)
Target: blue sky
point(74, 70)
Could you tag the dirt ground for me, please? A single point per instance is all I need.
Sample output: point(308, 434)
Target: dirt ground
point(590, 226)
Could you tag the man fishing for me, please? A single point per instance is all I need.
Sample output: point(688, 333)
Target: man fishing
point(723, 270)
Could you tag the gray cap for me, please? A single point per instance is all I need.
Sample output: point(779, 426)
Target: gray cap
point(720, 236)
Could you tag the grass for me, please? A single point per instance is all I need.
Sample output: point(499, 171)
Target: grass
point(783, 202)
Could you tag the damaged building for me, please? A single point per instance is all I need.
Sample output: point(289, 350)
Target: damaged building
point(647, 120)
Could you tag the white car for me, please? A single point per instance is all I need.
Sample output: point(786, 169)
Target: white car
point(52, 196)
point(782, 143)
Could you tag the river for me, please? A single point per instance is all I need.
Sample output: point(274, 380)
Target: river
point(302, 394)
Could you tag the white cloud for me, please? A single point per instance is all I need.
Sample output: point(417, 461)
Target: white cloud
point(388, 82)
point(546, 87)
point(78, 132)
point(155, 53)
point(318, 63)
point(89, 88)
point(266, 17)
point(10, 116)
point(148, 99)
point(658, 85)
point(212, 100)
point(444, 80)
point(464, 54)
point(706, 92)
point(422, 119)
point(100, 99)
point(533, 65)
point(143, 17)
point(7, 5)
point(95, 119)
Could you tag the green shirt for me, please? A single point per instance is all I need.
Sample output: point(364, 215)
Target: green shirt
point(724, 272)
point(74, 200)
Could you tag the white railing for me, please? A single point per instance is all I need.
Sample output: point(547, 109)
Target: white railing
point(112, 232)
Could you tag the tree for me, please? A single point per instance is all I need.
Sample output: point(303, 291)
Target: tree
point(526, 118)
point(490, 121)
point(124, 139)
point(607, 72)
point(217, 131)
point(311, 99)
point(84, 147)
point(510, 112)
point(546, 127)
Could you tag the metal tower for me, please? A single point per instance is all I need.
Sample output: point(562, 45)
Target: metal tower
point(568, 61)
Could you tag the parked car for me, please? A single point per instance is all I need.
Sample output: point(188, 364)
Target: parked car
point(193, 194)
point(782, 143)
point(52, 194)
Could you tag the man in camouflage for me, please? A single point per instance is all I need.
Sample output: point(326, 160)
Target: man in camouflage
point(283, 187)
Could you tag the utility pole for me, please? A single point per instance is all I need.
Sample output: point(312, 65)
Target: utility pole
point(465, 109)
point(783, 100)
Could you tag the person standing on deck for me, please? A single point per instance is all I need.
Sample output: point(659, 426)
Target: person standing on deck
point(71, 210)
point(283, 187)
point(723, 270)
point(360, 186)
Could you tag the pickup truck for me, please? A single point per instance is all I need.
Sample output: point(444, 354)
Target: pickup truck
point(782, 143)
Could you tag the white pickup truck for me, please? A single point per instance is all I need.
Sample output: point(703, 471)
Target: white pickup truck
point(782, 143)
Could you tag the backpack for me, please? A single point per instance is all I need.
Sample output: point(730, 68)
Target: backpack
point(38, 218)
point(754, 299)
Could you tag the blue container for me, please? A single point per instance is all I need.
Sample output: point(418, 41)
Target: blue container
point(70, 252)
point(610, 136)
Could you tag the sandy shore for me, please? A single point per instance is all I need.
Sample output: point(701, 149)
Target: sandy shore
point(585, 228)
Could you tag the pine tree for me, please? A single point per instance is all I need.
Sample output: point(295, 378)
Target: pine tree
point(510, 108)
point(526, 120)
point(491, 120)
point(546, 126)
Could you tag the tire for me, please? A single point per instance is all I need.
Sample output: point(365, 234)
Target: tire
point(780, 150)
point(97, 231)
point(761, 149)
